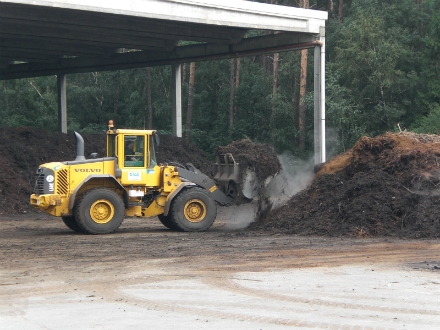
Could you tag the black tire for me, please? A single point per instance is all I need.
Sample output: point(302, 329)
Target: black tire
point(166, 221)
point(70, 222)
point(99, 211)
point(193, 210)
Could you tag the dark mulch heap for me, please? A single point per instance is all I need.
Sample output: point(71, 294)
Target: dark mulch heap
point(174, 149)
point(383, 186)
point(22, 150)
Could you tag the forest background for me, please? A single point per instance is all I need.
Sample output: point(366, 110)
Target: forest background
point(382, 74)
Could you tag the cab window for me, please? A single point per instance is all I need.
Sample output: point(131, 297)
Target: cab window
point(111, 145)
point(134, 151)
point(152, 157)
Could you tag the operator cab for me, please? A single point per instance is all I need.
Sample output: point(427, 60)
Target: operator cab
point(135, 154)
point(135, 147)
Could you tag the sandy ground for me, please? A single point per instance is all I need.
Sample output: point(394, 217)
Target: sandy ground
point(147, 277)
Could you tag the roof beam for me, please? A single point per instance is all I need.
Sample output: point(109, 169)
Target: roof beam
point(233, 13)
point(49, 45)
point(27, 56)
point(92, 21)
point(78, 34)
point(181, 54)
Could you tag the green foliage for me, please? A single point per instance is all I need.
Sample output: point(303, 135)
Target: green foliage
point(344, 119)
point(429, 124)
point(377, 63)
point(252, 119)
point(430, 93)
point(29, 102)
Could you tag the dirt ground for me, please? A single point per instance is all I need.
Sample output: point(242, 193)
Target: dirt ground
point(145, 276)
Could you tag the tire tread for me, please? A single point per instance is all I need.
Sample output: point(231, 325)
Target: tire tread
point(118, 209)
point(176, 213)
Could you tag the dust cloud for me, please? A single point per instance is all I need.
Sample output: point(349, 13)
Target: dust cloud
point(295, 175)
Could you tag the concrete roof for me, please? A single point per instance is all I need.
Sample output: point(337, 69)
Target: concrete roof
point(66, 36)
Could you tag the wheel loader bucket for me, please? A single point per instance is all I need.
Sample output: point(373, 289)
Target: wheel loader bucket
point(226, 168)
point(227, 173)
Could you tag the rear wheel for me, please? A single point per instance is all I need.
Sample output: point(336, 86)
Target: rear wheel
point(70, 222)
point(193, 210)
point(99, 211)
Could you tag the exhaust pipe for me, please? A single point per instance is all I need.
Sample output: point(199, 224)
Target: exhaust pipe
point(79, 147)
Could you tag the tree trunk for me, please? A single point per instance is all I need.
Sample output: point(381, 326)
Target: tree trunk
point(115, 109)
point(276, 58)
point(231, 92)
point(302, 99)
point(149, 105)
point(330, 6)
point(118, 80)
point(420, 3)
point(185, 72)
point(237, 81)
point(192, 73)
point(263, 61)
point(295, 102)
point(341, 10)
point(302, 92)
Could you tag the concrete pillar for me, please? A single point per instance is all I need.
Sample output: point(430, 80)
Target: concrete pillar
point(322, 100)
point(317, 96)
point(319, 101)
point(62, 103)
point(177, 99)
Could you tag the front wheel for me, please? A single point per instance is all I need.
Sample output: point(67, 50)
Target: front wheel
point(99, 211)
point(70, 222)
point(166, 221)
point(193, 210)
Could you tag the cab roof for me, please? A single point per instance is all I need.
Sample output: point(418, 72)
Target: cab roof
point(132, 131)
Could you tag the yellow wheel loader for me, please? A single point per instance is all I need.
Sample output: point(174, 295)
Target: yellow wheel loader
point(94, 195)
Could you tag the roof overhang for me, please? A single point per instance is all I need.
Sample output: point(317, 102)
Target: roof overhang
point(49, 37)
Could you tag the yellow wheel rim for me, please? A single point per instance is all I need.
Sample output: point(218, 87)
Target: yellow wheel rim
point(195, 210)
point(102, 211)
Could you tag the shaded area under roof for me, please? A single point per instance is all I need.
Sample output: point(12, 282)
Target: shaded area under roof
point(49, 37)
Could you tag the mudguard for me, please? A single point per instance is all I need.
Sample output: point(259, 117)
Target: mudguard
point(100, 176)
point(173, 194)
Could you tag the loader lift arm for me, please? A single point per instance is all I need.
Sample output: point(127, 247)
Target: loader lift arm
point(206, 183)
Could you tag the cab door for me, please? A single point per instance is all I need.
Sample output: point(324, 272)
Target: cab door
point(136, 169)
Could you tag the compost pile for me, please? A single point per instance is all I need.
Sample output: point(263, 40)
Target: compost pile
point(383, 186)
point(260, 158)
point(23, 149)
point(174, 149)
